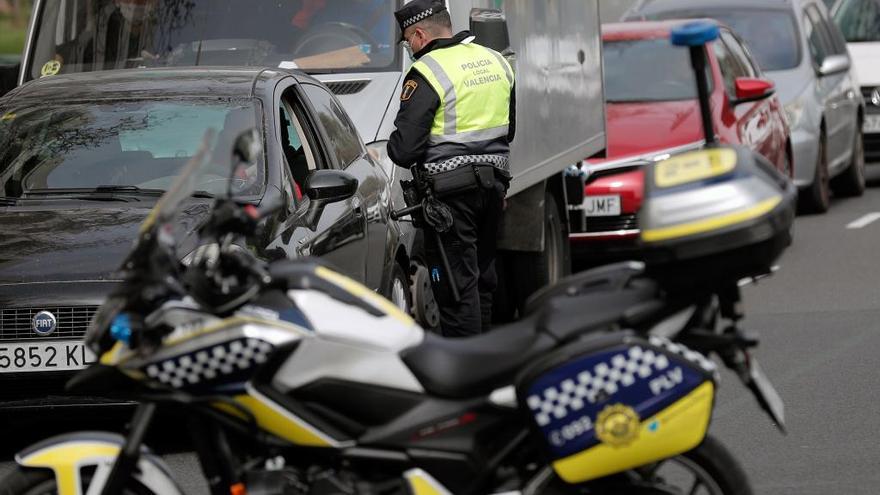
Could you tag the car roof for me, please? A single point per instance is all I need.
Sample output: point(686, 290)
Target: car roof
point(644, 29)
point(187, 82)
point(655, 6)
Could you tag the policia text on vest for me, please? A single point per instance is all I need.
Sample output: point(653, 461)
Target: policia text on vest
point(456, 120)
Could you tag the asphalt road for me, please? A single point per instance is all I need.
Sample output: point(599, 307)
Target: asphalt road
point(819, 318)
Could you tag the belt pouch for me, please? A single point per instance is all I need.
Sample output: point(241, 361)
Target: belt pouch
point(485, 175)
point(462, 179)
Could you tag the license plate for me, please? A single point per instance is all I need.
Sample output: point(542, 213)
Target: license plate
point(871, 125)
point(44, 356)
point(694, 166)
point(602, 206)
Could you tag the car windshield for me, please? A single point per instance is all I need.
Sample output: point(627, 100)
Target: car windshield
point(647, 70)
point(314, 35)
point(770, 34)
point(121, 146)
point(859, 20)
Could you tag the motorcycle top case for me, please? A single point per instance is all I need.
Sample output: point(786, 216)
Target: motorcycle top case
point(715, 216)
point(616, 402)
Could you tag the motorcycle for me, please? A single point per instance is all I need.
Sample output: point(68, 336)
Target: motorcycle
point(294, 379)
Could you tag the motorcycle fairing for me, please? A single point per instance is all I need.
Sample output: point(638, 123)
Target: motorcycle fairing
point(618, 402)
point(422, 483)
point(68, 455)
point(280, 421)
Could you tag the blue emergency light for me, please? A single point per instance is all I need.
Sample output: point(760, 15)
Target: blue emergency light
point(120, 329)
point(694, 33)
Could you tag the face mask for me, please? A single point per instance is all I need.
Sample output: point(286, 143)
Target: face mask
point(409, 51)
point(133, 12)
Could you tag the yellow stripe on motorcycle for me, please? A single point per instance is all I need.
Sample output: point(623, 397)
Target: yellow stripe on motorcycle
point(422, 483)
point(710, 224)
point(674, 430)
point(365, 294)
point(274, 419)
point(66, 459)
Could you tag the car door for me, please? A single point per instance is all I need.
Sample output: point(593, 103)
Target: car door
point(371, 204)
point(834, 89)
point(745, 118)
point(763, 130)
point(310, 141)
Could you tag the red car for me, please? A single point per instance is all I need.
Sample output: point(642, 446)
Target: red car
point(653, 111)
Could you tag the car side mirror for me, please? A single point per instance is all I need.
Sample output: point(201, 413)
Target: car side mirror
point(749, 89)
point(834, 64)
point(324, 187)
point(490, 28)
point(9, 69)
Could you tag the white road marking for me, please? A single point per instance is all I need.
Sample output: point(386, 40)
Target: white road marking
point(864, 221)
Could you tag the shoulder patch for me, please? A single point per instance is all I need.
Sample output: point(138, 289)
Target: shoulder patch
point(409, 87)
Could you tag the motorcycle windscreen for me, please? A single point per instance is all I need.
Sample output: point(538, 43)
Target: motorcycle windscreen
point(621, 404)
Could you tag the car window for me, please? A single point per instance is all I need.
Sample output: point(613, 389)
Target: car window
point(647, 70)
point(295, 146)
point(127, 143)
point(818, 47)
point(832, 47)
point(745, 67)
point(90, 35)
point(344, 141)
point(859, 20)
point(729, 65)
point(771, 34)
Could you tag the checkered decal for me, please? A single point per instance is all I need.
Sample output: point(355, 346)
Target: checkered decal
point(572, 395)
point(211, 363)
point(418, 17)
point(692, 356)
point(497, 161)
point(607, 378)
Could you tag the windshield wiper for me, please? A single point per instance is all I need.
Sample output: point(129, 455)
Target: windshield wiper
point(107, 193)
point(148, 192)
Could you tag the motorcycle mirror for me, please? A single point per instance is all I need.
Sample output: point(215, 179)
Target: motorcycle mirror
point(247, 148)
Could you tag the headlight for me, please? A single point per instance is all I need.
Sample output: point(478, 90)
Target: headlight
point(379, 151)
point(793, 113)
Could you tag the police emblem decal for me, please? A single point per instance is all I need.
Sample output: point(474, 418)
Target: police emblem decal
point(409, 88)
point(617, 425)
point(44, 323)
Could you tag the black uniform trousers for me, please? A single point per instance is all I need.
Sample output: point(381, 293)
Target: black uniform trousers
point(471, 248)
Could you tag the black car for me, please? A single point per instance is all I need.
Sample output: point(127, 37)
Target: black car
point(83, 159)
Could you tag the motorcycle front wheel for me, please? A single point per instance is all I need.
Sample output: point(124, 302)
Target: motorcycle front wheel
point(25, 481)
point(709, 469)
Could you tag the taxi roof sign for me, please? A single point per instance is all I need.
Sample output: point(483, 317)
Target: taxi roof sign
point(694, 33)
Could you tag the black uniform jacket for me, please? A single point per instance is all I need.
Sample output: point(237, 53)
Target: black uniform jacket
point(417, 110)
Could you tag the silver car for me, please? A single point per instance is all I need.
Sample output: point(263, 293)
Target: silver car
point(804, 53)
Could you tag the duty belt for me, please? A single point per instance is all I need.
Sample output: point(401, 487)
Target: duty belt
point(498, 161)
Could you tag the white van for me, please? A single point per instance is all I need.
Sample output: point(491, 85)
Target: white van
point(859, 20)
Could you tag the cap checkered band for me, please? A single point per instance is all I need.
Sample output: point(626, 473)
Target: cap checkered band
point(210, 363)
point(418, 17)
point(572, 395)
point(497, 161)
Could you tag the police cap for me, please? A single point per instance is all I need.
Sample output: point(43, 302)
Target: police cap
point(417, 11)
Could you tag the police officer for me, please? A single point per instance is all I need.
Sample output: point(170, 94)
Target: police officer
point(457, 119)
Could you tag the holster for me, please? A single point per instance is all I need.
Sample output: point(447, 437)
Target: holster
point(463, 179)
